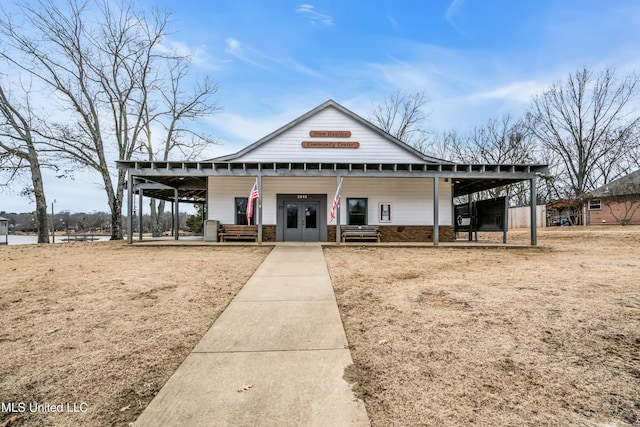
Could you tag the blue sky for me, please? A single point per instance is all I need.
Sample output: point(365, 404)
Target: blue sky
point(275, 60)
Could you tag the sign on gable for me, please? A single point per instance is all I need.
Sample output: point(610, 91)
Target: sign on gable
point(330, 144)
point(330, 133)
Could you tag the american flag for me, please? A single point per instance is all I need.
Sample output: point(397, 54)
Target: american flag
point(254, 195)
point(336, 199)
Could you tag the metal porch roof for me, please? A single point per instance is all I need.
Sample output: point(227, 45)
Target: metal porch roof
point(190, 177)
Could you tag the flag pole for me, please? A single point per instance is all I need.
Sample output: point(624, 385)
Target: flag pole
point(339, 187)
point(259, 201)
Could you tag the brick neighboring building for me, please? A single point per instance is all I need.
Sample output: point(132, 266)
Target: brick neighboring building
point(617, 202)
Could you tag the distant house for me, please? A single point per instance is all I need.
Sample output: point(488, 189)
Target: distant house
point(617, 202)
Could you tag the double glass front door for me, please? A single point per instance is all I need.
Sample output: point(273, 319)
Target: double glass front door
point(301, 221)
point(301, 218)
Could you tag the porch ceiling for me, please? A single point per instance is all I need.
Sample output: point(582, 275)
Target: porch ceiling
point(462, 186)
point(159, 179)
point(190, 190)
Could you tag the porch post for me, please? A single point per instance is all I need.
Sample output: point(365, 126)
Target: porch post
point(338, 240)
point(534, 197)
point(176, 215)
point(506, 219)
point(130, 208)
point(436, 202)
point(260, 209)
point(472, 218)
point(140, 195)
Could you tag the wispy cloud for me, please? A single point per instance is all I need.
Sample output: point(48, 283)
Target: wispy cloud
point(259, 59)
point(199, 55)
point(454, 8)
point(239, 130)
point(243, 52)
point(259, 117)
point(463, 88)
point(316, 18)
point(521, 91)
point(392, 20)
point(440, 72)
point(296, 66)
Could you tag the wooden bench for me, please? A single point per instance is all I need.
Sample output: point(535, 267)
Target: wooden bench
point(359, 232)
point(79, 238)
point(238, 232)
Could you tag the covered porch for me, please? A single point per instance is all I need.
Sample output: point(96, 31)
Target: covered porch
point(187, 182)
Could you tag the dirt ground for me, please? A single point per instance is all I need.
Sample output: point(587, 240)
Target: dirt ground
point(96, 329)
point(543, 336)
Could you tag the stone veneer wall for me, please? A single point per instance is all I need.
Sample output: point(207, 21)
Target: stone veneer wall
point(404, 233)
point(388, 233)
point(414, 233)
point(268, 233)
point(331, 233)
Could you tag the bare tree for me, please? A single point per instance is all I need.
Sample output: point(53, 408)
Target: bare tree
point(634, 152)
point(589, 122)
point(499, 141)
point(105, 64)
point(176, 110)
point(449, 145)
point(18, 152)
point(402, 115)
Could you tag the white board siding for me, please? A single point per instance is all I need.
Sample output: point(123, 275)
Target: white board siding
point(411, 198)
point(221, 194)
point(286, 147)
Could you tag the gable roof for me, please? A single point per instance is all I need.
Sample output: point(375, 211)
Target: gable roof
point(627, 185)
point(327, 104)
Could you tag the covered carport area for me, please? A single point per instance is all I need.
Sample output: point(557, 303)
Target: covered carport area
point(174, 190)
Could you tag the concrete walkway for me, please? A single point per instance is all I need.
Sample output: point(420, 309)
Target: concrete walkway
point(275, 357)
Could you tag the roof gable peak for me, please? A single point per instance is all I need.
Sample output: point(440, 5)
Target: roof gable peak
point(330, 103)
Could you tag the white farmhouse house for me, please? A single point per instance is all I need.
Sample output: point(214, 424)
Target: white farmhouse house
point(297, 171)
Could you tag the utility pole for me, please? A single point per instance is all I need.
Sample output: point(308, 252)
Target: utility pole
point(53, 224)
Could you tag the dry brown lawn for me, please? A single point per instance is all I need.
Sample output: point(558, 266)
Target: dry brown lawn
point(439, 336)
point(546, 336)
point(102, 326)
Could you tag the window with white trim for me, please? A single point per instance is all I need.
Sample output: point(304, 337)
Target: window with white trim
point(595, 205)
